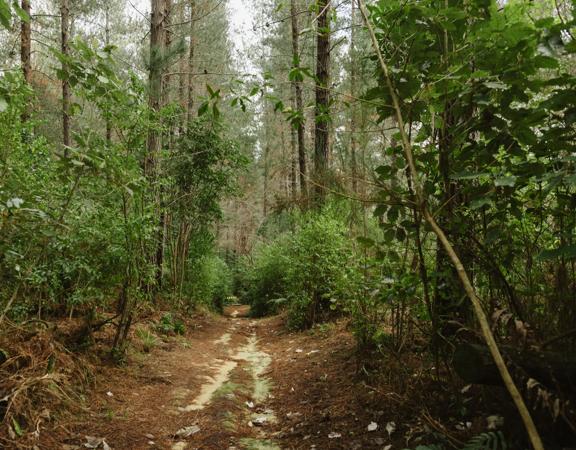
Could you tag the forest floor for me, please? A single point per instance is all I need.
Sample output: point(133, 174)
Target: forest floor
point(238, 383)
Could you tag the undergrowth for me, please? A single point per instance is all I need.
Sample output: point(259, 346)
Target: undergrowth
point(40, 379)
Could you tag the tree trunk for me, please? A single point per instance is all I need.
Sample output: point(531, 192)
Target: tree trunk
point(65, 36)
point(293, 157)
point(190, 103)
point(353, 88)
point(299, 103)
point(107, 42)
point(157, 43)
point(25, 51)
point(322, 111)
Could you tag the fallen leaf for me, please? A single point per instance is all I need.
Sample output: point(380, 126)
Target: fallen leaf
point(188, 431)
point(93, 442)
point(259, 421)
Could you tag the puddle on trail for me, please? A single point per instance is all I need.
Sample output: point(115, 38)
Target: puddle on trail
point(208, 390)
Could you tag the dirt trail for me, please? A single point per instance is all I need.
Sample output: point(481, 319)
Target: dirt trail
point(233, 383)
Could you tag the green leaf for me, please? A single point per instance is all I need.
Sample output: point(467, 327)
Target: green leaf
point(468, 175)
point(509, 181)
point(203, 108)
point(495, 85)
point(20, 12)
point(480, 202)
point(568, 252)
point(17, 428)
point(5, 14)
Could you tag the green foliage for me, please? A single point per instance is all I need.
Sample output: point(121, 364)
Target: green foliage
point(487, 96)
point(310, 270)
point(484, 441)
point(487, 441)
point(147, 338)
point(210, 282)
point(321, 275)
point(266, 278)
point(203, 166)
point(169, 324)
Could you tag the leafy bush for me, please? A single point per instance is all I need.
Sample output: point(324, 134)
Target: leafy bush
point(321, 273)
point(147, 339)
point(169, 324)
point(266, 279)
point(311, 270)
point(211, 282)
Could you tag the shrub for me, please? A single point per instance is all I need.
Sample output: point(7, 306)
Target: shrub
point(169, 324)
point(211, 282)
point(266, 278)
point(147, 339)
point(321, 273)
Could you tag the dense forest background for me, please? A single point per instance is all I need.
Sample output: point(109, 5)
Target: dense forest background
point(406, 165)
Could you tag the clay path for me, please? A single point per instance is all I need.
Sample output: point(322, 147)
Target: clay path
point(233, 383)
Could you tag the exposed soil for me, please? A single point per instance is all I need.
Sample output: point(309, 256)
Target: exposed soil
point(238, 383)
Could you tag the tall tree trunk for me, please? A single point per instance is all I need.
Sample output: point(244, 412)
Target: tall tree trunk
point(107, 41)
point(266, 173)
point(157, 43)
point(190, 103)
point(299, 103)
point(25, 51)
point(353, 89)
point(165, 94)
point(158, 13)
point(65, 36)
point(322, 110)
point(293, 157)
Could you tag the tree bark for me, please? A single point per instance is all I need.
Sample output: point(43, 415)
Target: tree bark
point(322, 110)
point(293, 157)
point(192, 45)
point(157, 43)
point(353, 89)
point(65, 37)
point(107, 42)
point(25, 52)
point(299, 103)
